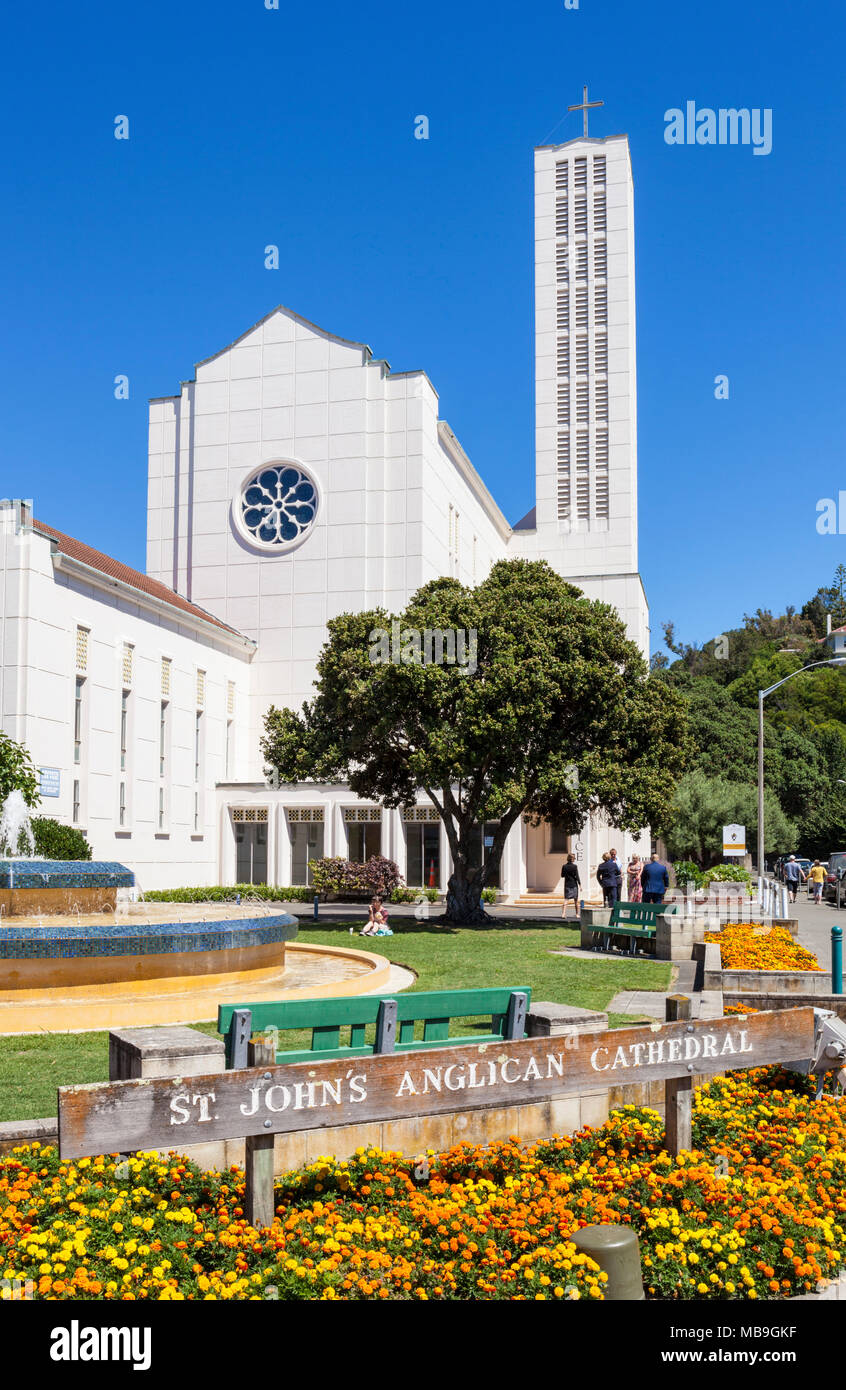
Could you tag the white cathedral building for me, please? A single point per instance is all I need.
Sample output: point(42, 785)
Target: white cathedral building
point(295, 477)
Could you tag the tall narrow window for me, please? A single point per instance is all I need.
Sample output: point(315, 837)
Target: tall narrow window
point(198, 728)
point(124, 714)
point(122, 806)
point(77, 719)
point(76, 802)
point(161, 808)
point(196, 810)
point(163, 717)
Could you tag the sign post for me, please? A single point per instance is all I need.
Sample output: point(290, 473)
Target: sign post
point(259, 1205)
point(678, 1094)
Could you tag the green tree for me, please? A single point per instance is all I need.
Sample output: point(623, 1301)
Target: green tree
point(556, 717)
point(703, 805)
point(17, 772)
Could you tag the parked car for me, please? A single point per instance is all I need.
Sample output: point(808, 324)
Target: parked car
point(836, 869)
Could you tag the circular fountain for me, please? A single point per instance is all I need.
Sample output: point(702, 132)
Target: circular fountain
point(77, 954)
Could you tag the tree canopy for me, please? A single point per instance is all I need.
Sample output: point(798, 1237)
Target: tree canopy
point(555, 717)
point(805, 720)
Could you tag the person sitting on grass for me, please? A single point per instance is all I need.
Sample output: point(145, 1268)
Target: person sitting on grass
point(377, 921)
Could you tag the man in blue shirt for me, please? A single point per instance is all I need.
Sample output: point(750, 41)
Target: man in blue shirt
point(655, 880)
point(792, 874)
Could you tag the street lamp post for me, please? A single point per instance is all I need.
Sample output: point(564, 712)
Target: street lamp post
point(762, 695)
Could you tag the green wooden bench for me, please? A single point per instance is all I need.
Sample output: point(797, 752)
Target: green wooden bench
point(393, 1016)
point(634, 921)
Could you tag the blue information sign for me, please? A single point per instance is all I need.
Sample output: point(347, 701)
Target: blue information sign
point(49, 781)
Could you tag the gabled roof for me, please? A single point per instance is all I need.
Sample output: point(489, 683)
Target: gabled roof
point(292, 314)
point(124, 574)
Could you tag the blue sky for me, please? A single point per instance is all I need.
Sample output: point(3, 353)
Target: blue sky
point(250, 127)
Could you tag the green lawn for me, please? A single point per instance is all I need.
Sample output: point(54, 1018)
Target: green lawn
point(32, 1066)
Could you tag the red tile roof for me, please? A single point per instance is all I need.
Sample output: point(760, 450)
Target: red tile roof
point(115, 569)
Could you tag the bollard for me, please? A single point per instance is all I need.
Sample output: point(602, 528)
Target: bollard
point(837, 960)
point(316, 906)
point(615, 1249)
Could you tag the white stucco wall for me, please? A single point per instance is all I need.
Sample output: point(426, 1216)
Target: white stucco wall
point(42, 606)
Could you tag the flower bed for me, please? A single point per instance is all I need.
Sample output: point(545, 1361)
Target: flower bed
point(756, 946)
point(491, 1223)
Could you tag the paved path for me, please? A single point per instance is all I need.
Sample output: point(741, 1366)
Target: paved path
point(815, 924)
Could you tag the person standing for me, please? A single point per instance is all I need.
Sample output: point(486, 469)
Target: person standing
point(654, 880)
point(610, 878)
point(634, 892)
point(793, 875)
point(572, 884)
point(816, 874)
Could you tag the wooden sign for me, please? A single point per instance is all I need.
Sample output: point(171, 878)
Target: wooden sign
point(124, 1116)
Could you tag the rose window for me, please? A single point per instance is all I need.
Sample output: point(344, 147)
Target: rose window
point(277, 506)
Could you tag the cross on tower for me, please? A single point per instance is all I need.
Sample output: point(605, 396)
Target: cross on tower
point(584, 106)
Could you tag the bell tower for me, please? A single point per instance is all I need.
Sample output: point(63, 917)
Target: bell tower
point(585, 377)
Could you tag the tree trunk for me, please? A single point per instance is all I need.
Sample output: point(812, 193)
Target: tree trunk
point(464, 906)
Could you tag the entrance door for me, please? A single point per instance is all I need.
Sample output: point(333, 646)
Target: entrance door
point(251, 853)
point(306, 843)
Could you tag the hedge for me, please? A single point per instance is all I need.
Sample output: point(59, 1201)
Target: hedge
point(216, 893)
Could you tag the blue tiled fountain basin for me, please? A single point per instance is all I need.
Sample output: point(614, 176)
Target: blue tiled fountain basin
point(143, 939)
point(64, 873)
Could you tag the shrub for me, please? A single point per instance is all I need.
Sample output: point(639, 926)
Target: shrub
point(728, 873)
point(489, 895)
point(412, 895)
point(687, 872)
point(56, 841)
point(343, 878)
point(218, 893)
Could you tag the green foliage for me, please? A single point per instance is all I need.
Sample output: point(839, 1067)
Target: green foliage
point(703, 805)
point(17, 772)
point(345, 878)
point(730, 873)
point(56, 841)
point(412, 895)
point(559, 719)
point(686, 871)
point(215, 893)
point(727, 873)
point(804, 720)
point(829, 599)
